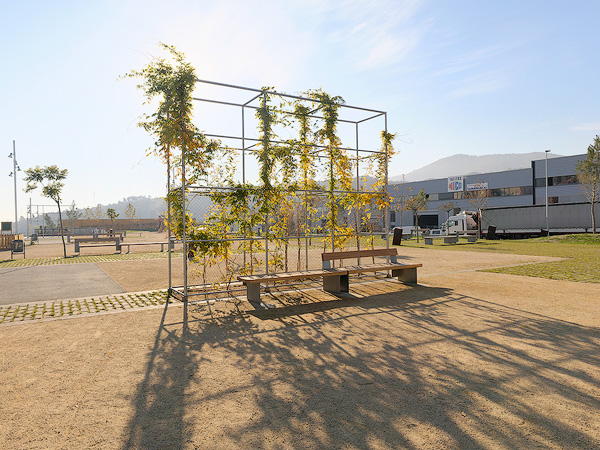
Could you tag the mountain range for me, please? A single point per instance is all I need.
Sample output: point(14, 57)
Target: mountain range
point(461, 164)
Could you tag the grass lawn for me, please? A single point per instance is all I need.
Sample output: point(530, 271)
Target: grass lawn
point(582, 251)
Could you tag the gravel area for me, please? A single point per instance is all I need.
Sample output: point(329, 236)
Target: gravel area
point(464, 360)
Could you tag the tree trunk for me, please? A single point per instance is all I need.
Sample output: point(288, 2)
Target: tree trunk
point(62, 234)
point(593, 218)
point(417, 225)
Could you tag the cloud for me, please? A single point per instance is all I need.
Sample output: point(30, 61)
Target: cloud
point(481, 83)
point(590, 126)
point(375, 34)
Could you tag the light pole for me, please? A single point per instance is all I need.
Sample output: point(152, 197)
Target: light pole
point(13, 174)
point(547, 219)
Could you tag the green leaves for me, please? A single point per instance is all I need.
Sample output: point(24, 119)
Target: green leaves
point(49, 178)
point(172, 83)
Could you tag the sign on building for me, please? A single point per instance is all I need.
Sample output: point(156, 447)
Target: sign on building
point(7, 227)
point(477, 186)
point(455, 184)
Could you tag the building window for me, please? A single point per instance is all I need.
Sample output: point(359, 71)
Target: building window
point(552, 200)
point(562, 180)
point(393, 216)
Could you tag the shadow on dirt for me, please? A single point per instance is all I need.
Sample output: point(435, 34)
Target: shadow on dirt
point(399, 368)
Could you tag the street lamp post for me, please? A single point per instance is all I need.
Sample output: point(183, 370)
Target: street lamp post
point(13, 174)
point(547, 218)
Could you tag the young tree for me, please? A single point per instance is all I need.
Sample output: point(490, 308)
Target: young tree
point(415, 204)
point(112, 215)
point(400, 197)
point(478, 199)
point(49, 222)
point(588, 174)
point(73, 214)
point(449, 206)
point(50, 178)
point(130, 211)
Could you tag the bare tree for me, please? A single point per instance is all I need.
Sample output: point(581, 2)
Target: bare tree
point(478, 199)
point(588, 174)
point(416, 204)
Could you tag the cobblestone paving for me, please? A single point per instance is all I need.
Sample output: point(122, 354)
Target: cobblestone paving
point(27, 312)
point(85, 259)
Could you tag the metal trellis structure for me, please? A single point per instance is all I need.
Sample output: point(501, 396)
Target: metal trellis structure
point(293, 236)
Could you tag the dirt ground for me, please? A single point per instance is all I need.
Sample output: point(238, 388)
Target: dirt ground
point(464, 360)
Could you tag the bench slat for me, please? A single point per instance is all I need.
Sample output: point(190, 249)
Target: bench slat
point(376, 267)
point(329, 256)
point(290, 275)
point(110, 239)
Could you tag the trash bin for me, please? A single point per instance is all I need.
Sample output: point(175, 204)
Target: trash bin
point(491, 233)
point(397, 239)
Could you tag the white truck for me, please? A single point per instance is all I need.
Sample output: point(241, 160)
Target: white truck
point(465, 222)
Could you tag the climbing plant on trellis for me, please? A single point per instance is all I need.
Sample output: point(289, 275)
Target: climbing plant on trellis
point(307, 194)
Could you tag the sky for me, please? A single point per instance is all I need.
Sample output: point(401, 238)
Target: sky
point(454, 77)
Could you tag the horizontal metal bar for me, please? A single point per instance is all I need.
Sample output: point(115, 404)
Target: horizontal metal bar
point(283, 111)
point(282, 238)
point(252, 99)
point(372, 117)
point(281, 94)
point(323, 147)
point(315, 191)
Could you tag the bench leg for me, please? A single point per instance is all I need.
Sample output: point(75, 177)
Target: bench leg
point(253, 292)
point(406, 275)
point(335, 284)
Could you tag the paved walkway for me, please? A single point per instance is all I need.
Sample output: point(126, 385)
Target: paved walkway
point(37, 283)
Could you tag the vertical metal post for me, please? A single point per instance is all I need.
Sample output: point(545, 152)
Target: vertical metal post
point(306, 228)
point(169, 216)
point(243, 149)
point(184, 232)
point(244, 166)
point(357, 190)
point(333, 216)
point(267, 215)
point(29, 218)
point(15, 181)
point(385, 190)
point(547, 218)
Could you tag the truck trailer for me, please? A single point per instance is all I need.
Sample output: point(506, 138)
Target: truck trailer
point(519, 222)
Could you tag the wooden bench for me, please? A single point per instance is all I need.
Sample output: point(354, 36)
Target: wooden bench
point(162, 245)
point(337, 279)
point(97, 242)
point(406, 273)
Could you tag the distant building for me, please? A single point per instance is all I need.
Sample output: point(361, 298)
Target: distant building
point(507, 188)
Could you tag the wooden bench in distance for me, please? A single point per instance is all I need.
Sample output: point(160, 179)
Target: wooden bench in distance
point(162, 245)
point(100, 242)
point(406, 273)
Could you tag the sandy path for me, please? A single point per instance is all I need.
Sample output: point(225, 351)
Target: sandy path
point(467, 360)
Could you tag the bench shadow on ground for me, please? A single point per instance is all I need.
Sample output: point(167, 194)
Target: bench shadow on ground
point(384, 370)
